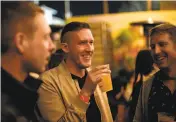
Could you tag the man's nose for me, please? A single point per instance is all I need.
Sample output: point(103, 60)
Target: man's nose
point(52, 47)
point(157, 49)
point(89, 47)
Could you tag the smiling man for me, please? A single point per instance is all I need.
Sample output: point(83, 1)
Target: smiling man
point(157, 100)
point(67, 94)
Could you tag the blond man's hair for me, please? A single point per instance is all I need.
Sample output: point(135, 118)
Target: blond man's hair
point(164, 28)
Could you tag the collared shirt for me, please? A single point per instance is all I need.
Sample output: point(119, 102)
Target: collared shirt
point(161, 99)
point(18, 99)
point(93, 113)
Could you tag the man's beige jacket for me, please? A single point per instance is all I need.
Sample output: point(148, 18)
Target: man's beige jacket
point(59, 98)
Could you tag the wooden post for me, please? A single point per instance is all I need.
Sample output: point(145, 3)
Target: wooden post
point(149, 5)
point(105, 7)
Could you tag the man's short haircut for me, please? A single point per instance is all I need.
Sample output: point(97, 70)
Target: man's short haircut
point(17, 16)
point(164, 28)
point(73, 26)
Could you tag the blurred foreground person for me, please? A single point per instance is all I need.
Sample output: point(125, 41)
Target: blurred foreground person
point(26, 47)
point(157, 100)
point(68, 92)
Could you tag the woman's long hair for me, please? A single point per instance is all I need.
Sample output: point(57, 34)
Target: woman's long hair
point(144, 64)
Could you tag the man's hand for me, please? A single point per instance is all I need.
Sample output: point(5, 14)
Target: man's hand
point(93, 78)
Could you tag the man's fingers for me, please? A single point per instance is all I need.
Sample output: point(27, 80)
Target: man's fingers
point(98, 79)
point(103, 71)
point(100, 84)
point(101, 67)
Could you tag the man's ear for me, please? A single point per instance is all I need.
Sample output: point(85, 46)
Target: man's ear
point(64, 47)
point(21, 42)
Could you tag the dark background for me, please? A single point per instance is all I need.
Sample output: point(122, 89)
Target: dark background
point(96, 7)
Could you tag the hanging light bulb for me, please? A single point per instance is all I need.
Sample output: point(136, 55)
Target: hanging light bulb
point(150, 20)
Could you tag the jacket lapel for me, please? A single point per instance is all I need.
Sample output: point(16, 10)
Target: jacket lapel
point(145, 95)
point(67, 80)
point(103, 105)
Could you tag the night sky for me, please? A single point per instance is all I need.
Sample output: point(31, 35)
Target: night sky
point(96, 7)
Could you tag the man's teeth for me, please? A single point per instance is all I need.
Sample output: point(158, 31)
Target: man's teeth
point(160, 58)
point(86, 56)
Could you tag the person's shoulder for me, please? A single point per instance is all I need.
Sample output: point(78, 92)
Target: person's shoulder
point(50, 73)
point(149, 81)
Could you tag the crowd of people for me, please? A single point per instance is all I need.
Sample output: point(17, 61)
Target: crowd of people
point(66, 91)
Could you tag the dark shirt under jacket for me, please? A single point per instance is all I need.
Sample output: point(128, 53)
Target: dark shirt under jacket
point(93, 113)
point(160, 98)
point(18, 100)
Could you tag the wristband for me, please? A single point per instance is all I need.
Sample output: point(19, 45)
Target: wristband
point(84, 98)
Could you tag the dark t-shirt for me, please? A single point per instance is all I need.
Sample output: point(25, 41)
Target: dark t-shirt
point(93, 113)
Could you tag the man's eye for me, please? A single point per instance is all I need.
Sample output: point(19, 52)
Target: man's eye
point(82, 42)
point(92, 42)
point(163, 44)
point(152, 46)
